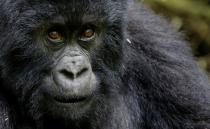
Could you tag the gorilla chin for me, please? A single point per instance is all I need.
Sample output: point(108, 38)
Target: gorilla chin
point(73, 109)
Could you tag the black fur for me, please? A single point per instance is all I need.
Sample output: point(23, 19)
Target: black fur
point(147, 76)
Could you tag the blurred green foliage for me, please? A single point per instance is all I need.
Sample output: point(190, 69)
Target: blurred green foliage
point(192, 18)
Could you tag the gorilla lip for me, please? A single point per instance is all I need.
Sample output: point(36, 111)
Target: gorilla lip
point(70, 99)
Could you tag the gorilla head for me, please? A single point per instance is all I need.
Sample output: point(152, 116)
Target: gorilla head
point(96, 64)
point(61, 54)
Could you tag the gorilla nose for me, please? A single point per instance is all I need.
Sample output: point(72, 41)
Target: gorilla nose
point(74, 78)
point(74, 73)
point(74, 68)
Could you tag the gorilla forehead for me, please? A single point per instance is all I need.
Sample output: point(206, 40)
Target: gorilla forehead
point(70, 7)
point(79, 6)
point(71, 10)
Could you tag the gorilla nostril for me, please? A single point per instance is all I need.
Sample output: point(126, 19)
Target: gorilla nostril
point(71, 75)
point(73, 62)
point(68, 74)
point(83, 71)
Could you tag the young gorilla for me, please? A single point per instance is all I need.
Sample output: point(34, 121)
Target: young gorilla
point(96, 64)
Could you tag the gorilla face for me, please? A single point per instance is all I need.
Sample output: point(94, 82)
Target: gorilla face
point(60, 54)
point(65, 64)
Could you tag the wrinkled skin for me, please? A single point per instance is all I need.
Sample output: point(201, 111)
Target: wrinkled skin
point(135, 72)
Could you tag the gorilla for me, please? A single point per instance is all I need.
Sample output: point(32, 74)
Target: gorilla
point(96, 64)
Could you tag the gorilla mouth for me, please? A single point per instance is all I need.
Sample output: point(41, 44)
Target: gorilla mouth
point(70, 100)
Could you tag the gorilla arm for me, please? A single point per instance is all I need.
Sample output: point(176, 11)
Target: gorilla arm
point(5, 122)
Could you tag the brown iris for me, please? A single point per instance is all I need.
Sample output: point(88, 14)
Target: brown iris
point(55, 36)
point(88, 34)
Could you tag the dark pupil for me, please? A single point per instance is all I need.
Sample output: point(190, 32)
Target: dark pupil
point(54, 35)
point(88, 33)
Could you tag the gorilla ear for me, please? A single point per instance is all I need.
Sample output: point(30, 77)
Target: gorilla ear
point(121, 1)
point(0, 69)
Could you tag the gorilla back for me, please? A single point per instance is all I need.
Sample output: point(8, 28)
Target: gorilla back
point(96, 64)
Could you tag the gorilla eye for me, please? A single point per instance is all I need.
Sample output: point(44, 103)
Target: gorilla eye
point(55, 36)
point(87, 34)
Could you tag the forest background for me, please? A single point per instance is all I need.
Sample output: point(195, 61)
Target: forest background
point(192, 19)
